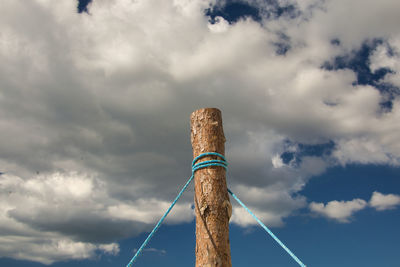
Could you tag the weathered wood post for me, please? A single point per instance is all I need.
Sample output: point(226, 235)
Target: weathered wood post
point(212, 205)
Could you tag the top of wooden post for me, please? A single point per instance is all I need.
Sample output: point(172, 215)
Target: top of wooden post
point(207, 134)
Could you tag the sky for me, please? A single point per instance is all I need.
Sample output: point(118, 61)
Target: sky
point(95, 104)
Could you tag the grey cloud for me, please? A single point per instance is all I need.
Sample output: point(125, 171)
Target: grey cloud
point(85, 226)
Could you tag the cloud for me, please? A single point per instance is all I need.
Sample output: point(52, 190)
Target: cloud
point(50, 248)
point(381, 201)
point(94, 111)
point(111, 249)
point(70, 216)
point(342, 211)
point(269, 205)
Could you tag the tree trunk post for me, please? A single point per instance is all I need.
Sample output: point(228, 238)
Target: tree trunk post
point(212, 205)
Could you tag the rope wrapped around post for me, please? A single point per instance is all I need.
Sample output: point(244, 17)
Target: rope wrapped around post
point(197, 166)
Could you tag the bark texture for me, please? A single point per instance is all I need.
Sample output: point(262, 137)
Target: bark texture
point(212, 206)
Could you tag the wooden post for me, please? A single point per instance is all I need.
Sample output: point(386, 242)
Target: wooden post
point(212, 205)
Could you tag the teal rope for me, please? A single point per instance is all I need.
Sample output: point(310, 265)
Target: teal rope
point(267, 229)
point(195, 167)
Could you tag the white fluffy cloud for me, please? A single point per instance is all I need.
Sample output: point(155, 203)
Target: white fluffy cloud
point(381, 201)
point(342, 211)
point(339, 210)
point(94, 112)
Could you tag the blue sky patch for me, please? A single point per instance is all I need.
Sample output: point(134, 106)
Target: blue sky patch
point(233, 11)
point(359, 62)
point(83, 5)
point(296, 151)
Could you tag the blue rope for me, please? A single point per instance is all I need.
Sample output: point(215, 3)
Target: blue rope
point(267, 229)
point(195, 167)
